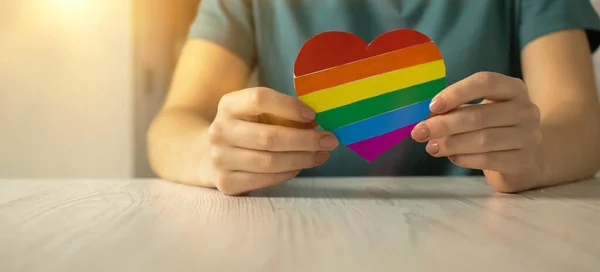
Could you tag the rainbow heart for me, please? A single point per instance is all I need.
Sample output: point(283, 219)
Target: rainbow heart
point(369, 96)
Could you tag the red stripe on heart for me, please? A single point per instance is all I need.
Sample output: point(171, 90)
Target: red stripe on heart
point(334, 48)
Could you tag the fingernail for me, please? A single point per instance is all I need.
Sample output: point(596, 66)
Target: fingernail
point(329, 142)
point(438, 104)
point(421, 132)
point(308, 113)
point(322, 156)
point(432, 148)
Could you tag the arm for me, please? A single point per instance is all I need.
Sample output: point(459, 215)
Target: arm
point(213, 133)
point(178, 144)
point(559, 75)
point(525, 134)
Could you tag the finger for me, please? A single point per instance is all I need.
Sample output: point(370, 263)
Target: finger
point(238, 182)
point(486, 85)
point(467, 119)
point(310, 125)
point(278, 121)
point(506, 162)
point(255, 161)
point(433, 114)
point(259, 100)
point(480, 141)
point(257, 136)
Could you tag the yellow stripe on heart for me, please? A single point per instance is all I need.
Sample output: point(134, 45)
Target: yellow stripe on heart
point(351, 92)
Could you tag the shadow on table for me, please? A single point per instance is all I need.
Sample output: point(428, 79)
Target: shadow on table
point(291, 191)
point(580, 190)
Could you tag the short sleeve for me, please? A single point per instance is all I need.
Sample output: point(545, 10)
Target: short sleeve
point(228, 23)
point(539, 17)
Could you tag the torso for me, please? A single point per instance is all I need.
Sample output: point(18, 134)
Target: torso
point(474, 36)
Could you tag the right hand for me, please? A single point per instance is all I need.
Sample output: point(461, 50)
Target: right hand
point(248, 150)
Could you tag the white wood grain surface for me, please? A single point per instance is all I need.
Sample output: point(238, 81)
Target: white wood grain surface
point(375, 224)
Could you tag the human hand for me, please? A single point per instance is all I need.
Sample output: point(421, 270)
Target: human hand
point(261, 138)
point(500, 135)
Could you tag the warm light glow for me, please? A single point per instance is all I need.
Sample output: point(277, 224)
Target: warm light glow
point(64, 13)
point(68, 4)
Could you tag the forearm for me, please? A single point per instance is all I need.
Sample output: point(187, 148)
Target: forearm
point(178, 146)
point(570, 147)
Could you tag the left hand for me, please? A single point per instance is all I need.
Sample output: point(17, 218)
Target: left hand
point(500, 135)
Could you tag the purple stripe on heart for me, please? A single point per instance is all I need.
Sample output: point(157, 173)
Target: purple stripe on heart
point(372, 148)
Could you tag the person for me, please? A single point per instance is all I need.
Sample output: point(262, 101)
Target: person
point(520, 106)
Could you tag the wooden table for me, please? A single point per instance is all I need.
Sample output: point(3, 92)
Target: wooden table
point(380, 224)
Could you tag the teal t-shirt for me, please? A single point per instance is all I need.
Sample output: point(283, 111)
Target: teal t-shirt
point(472, 35)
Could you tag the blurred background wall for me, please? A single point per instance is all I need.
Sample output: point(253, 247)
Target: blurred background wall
point(80, 80)
point(66, 88)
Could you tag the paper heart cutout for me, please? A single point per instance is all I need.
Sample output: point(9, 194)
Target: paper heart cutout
point(369, 96)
